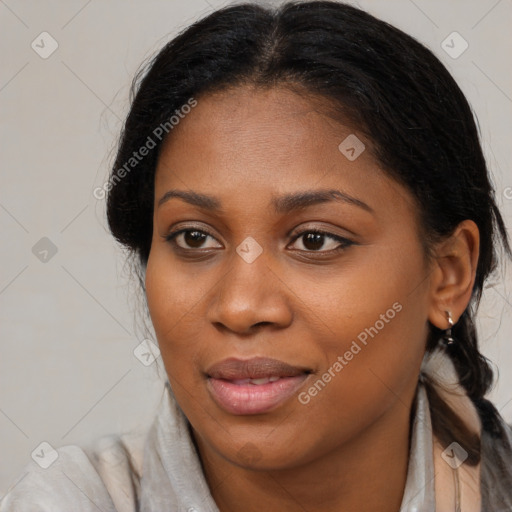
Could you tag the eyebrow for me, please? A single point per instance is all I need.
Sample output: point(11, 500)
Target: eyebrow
point(282, 204)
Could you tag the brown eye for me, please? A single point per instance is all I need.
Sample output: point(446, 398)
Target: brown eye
point(314, 241)
point(192, 239)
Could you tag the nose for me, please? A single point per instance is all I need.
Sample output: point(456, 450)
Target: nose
point(251, 296)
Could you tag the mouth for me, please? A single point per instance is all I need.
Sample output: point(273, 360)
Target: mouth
point(253, 386)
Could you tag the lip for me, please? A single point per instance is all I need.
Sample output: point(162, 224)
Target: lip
point(228, 384)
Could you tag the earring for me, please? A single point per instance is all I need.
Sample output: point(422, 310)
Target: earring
point(447, 336)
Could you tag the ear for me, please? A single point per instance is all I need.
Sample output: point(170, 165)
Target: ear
point(453, 274)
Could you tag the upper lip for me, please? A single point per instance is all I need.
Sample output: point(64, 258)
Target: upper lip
point(255, 368)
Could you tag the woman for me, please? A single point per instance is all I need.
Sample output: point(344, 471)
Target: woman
point(305, 193)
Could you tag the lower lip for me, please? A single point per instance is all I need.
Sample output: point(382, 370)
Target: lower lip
point(253, 398)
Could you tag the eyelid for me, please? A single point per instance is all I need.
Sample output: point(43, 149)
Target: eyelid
point(315, 228)
point(320, 228)
point(189, 227)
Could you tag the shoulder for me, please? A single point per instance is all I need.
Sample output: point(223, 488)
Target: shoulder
point(102, 476)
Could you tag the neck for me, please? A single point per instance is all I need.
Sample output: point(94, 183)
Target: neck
point(368, 473)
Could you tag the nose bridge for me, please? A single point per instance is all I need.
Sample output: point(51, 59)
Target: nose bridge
point(250, 293)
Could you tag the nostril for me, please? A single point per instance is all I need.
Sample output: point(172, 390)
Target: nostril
point(261, 324)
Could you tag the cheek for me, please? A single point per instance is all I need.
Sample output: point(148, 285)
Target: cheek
point(374, 315)
point(174, 300)
point(165, 303)
point(171, 292)
point(379, 292)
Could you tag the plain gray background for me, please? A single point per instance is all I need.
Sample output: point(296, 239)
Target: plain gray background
point(68, 324)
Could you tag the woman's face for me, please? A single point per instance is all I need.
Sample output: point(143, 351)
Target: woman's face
point(282, 344)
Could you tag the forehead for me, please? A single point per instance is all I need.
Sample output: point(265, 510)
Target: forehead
point(249, 142)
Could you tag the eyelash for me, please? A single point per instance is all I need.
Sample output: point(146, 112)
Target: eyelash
point(344, 242)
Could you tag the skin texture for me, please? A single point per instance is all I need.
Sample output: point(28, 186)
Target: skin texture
point(347, 448)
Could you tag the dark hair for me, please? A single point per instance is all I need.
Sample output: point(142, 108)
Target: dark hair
point(418, 123)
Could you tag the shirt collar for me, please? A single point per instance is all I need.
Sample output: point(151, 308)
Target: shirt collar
point(419, 494)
